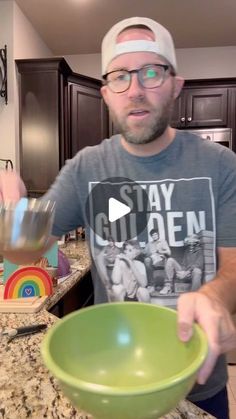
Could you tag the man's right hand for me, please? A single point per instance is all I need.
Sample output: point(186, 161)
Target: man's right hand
point(12, 187)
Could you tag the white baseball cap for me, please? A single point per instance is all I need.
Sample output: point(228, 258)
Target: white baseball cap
point(163, 44)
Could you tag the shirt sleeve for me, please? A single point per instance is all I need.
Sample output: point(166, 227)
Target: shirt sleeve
point(64, 191)
point(226, 202)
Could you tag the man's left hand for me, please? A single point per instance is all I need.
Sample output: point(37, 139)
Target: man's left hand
point(214, 319)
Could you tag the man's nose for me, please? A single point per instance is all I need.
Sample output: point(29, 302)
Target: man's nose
point(135, 88)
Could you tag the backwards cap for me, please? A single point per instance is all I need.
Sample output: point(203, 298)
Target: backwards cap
point(163, 44)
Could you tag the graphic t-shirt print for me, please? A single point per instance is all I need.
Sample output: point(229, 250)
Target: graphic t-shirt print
point(174, 253)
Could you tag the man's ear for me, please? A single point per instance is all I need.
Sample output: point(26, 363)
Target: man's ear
point(179, 82)
point(103, 91)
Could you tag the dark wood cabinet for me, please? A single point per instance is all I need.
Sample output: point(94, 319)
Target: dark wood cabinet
point(207, 104)
point(60, 113)
point(44, 130)
point(205, 107)
point(79, 296)
point(88, 113)
point(232, 115)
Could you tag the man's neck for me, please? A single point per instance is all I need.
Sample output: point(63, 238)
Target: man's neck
point(152, 148)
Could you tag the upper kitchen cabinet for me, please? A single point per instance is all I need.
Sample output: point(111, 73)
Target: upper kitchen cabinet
point(201, 107)
point(60, 113)
point(206, 104)
point(43, 113)
point(89, 121)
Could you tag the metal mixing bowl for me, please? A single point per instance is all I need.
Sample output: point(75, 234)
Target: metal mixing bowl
point(25, 225)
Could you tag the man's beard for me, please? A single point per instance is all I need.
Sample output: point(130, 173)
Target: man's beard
point(145, 134)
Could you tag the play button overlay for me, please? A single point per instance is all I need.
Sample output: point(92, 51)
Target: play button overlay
point(117, 207)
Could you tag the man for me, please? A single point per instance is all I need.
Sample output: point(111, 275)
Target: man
point(189, 271)
point(191, 186)
point(156, 251)
point(106, 260)
point(129, 275)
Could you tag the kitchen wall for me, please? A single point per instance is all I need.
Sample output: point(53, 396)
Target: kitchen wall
point(27, 42)
point(193, 63)
point(22, 42)
point(88, 64)
point(7, 113)
point(207, 63)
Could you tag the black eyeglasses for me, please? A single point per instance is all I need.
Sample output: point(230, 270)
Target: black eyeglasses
point(149, 76)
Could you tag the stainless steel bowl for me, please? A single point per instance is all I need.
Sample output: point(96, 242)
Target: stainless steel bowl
point(25, 225)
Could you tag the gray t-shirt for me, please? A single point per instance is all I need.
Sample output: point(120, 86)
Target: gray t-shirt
point(191, 190)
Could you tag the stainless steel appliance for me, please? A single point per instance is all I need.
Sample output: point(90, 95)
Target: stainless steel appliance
point(219, 135)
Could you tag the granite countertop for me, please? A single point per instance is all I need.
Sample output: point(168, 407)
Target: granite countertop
point(27, 390)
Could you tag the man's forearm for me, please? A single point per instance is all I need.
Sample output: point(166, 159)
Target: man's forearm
point(223, 286)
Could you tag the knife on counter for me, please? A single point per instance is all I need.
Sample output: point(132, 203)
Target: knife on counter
point(23, 331)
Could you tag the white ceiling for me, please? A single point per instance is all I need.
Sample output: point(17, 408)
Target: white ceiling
point(77, 26)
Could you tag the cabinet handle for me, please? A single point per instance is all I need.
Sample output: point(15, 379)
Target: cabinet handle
point(182, 119)
point(189, 119)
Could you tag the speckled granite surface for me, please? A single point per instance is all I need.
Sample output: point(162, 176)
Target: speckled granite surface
point(27, 390)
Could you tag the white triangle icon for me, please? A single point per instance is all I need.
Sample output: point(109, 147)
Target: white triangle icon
point(116, 209)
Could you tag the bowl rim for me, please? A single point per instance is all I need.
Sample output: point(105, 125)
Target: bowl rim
point(101, 389)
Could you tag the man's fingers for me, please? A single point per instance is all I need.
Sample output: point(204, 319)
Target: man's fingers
point(11, 186)
point(185, 317)
point(185, 331)
point(216, 322)
point(207, 367)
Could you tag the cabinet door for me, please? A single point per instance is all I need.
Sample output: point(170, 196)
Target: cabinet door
point(202, 107)
point(178, 113)
point(39, 139)
point(79, 296)
point(231, 115)
point(43, 121)
point(89, 117)
point(206, 107)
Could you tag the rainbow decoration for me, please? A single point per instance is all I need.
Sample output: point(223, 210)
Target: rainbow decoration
point(29, 281)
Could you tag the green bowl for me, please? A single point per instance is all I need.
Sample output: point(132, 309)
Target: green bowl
point(123, 360)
